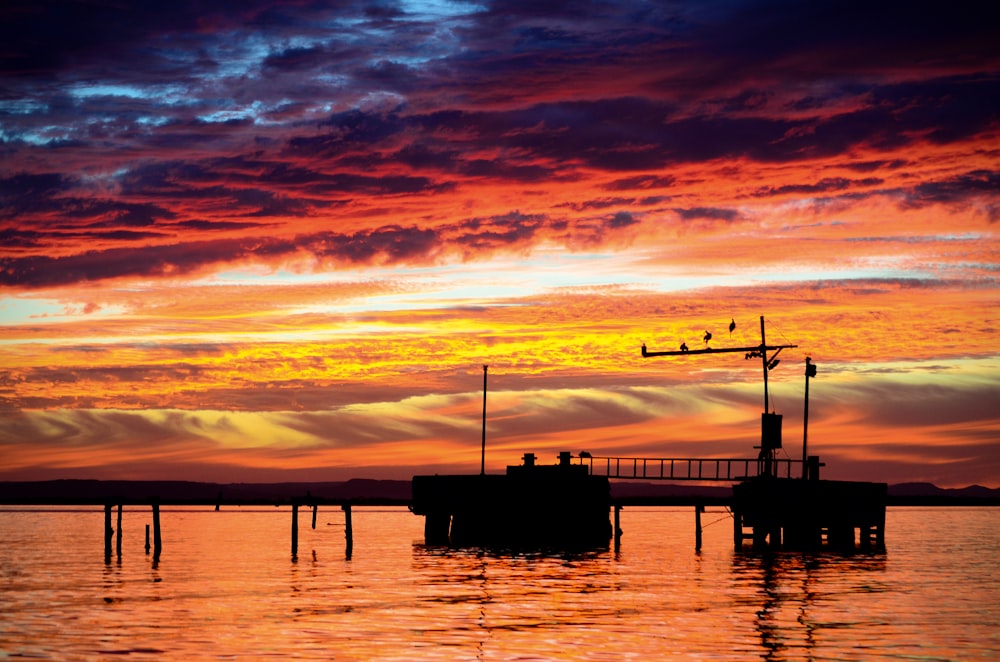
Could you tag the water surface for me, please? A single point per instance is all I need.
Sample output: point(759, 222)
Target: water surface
point(226, 587)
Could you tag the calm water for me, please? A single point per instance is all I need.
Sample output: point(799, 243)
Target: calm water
point(226, 588)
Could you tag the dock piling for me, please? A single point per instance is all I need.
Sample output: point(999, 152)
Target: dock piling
point(436, 528)
point(157, 539)
point(295, 531)
point(618, 528)
point(348, 530)
point(147, 539)
point(118, 534)
point(698, 510)
point(108, 532)
point(315, 510)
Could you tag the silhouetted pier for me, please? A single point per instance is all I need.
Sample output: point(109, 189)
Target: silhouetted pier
point(777, 503)
point(555, 505)
point(113, 532)
point(531, 505)
point(781, 513)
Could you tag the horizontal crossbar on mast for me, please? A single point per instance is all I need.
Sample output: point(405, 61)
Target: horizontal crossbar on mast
point(710, 350)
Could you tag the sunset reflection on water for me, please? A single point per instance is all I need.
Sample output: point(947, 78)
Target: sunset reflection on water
point(226, 587)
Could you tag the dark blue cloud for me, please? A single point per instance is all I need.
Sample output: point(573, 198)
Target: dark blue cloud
point(137, 120)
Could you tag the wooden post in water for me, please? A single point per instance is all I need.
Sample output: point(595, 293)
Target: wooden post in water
point(698, 510)
point(315, 510)
point(108, 532)
point(147, 539)
point(295, 530)
point(348, 530)
point(737, 530)
point(157, 539)
point(118, 534)
point(618, 528)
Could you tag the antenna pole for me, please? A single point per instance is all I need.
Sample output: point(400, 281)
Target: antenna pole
point(770, 424)
point(482, 465)
point(763, 360)
point(810, 372)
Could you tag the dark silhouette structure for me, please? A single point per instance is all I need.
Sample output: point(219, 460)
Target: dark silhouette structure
point(567, 505)
point(789, 513)
point(796, 513)
point(531, 506)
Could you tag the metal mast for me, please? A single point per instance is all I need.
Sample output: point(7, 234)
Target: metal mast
point(770, 422)
point(482, 461)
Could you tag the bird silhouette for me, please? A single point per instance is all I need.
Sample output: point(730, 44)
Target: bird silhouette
point(684, 347)
point(708, 336)
point(732, 327)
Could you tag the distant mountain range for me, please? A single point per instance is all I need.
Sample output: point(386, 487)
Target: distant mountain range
point(386, 492)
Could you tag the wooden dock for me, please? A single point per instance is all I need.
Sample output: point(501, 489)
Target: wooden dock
point(481, 510)
point(771, 506)
point(780, 513)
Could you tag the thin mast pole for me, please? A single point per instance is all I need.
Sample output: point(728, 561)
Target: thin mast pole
point(805, 423)
point(482, 465)
point(763, 360)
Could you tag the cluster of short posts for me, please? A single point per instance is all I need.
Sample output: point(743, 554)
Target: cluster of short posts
point(115, 533)
point(348, 526)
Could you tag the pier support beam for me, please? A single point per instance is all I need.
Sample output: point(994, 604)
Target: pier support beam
point(698, 510)
point(618, 528)
point(118, 534)
point(295, 531)
point(157, 538)
point(315, 511)
point(436, 527)
point(108, 532)
point(737, 530)
point(348, 531)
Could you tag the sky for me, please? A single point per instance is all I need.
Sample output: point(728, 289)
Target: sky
point(271, 241)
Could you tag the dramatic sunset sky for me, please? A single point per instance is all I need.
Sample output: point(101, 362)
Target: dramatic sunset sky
point(269, 241)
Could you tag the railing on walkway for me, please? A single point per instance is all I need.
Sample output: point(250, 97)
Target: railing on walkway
point(655, 468)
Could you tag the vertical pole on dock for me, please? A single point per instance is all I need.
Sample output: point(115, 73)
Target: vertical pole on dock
point(118, 534)
point(157, 539)
point(482, 464)
point(810, 372)
point(698, 510)
point(348, 531)
point(763, 359)
point(618, 528)
point(108, 532)
point(295, 530)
